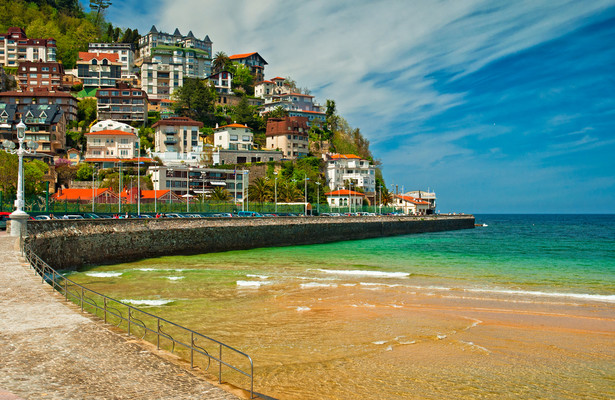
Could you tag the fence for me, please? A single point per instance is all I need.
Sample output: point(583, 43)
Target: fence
point(42, 204)
point(167, 335)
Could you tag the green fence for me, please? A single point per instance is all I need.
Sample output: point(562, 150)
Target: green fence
point(42, 204)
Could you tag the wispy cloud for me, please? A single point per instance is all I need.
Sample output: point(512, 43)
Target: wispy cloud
point(453, 91)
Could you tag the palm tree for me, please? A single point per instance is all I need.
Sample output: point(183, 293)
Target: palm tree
point(260, 190)
point(288, 192)
point(220, 194)
point(387, 198)
point(221, 60)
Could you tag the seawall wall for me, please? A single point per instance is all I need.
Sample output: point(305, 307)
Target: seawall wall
point(72, 244)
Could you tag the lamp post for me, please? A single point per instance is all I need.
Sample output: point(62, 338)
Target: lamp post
point(245, 176)
point(19, 217)
point(305, 193)
point(188, 190)
point(275, 190)
point(93, 188)
point(318, 197)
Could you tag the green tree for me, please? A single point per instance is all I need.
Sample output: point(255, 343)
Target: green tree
point(220, 194)
point(220, 62)
point(99, 6)
point(8, 172)
point(243, 79)
point(195, 99)
point(86, 112)
point(260, 190)
point(84, 172)
point(34, 171)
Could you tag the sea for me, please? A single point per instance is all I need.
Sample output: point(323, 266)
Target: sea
point(521, 306)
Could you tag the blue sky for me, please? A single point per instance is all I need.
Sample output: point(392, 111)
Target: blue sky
point(498, 106)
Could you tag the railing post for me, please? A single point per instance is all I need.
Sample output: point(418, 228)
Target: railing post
point(81, 300)
point(105, 306)
point(66, 289)
point(158, 335)
point(129, 317)
point(220, 366)
point(191, 349)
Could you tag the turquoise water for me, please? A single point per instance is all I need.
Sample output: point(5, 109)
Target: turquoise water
point(355, 319)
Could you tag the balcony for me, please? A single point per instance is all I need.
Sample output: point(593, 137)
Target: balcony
point(170, 141)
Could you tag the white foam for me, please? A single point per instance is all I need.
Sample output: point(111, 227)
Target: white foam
point(475, 346)
point(257, 276)
point(147, 302)
point(175, 278)
point(440, 337)
point(380, 342)
point(251, 284)
point(146, 269)
point(104, 274)
point(317, 285)
point(372, 284)
point(375, 274)
point(300, 309)
point(596, 297)
point(396, 306)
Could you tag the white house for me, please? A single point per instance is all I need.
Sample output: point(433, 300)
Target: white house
point(345, 199)
point(411, 205)
point(233, 137)
point(109, 124)
point(343, 168)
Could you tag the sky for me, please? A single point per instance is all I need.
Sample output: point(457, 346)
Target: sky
point(497, 106)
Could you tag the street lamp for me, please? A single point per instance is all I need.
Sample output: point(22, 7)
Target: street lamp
point(19, 216)
point(318, 197)
point(305, 193)
point(188, 189)
point(246, 199)
point(275, 191)
point(93, 187)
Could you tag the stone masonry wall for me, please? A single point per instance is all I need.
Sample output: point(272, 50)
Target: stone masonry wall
point(72, 244)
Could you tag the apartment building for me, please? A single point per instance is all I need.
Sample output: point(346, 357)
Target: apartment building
point(122, 103)
point(101, 70)
point(184, 180)
point(290, 135)
point(42, 96)
point(349, 171)
point(111, 144)
point(15, 47)
point(125, 52)
point(45, 125)
point(167, 59)
point(275, 86)
point(39, 74)
point(297, 105)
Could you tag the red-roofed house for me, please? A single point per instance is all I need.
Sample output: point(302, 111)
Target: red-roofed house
point(233, 137)
point(411, 205)
point(290, 135)
point(343, 168)
point(275, 86)
point(111, 144)
point(254, 62)
point(345, 198)
point(83, 196)
point(99, 69)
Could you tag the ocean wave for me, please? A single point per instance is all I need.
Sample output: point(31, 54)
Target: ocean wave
point(147, 302)
point(582, 296)
point(104, 274)
point(375, 274)
point(251, 284)
point(303, 308)
point(175, 278)
point(316, 285)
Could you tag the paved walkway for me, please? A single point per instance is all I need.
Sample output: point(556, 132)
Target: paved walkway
point(49, 350)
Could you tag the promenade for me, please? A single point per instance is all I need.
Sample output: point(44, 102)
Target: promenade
point(49, 350)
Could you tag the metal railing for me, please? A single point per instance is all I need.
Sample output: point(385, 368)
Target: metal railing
point(136, 322)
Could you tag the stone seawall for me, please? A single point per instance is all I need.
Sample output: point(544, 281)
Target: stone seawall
point(72, 244)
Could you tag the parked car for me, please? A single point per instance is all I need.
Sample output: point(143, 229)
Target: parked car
point(75, 216)
point(42, 217)
point(249, 214)
point(91, 215)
